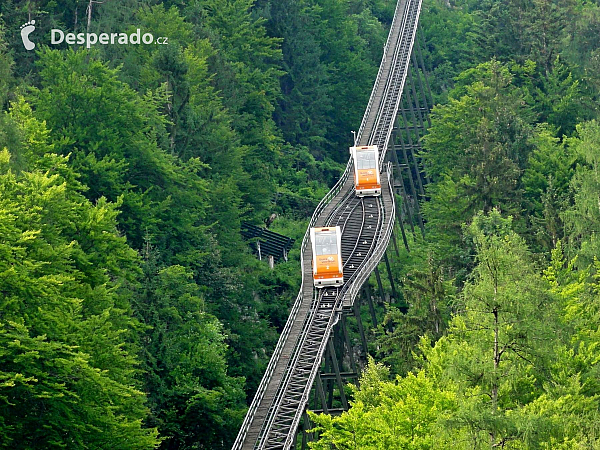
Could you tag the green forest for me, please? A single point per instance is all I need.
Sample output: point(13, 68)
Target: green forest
point(134, 315)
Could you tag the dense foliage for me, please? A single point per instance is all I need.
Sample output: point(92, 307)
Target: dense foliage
point(134, 315)
point(498, 347)
point(132, 312)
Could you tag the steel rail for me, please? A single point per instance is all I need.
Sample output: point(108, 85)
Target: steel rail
point(382, 130)
point(275, 408)
point(389, 82)
point(382, 68)
point(275, 432)
point(305, 335)
point(317, 313)
point(350, 290)
point(260, 392)
point(362, 204)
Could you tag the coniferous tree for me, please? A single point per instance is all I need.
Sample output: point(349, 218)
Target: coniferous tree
point(68, 366)
point(475, 152)
point(385, 414)
point(583, 217)
point(194, 402)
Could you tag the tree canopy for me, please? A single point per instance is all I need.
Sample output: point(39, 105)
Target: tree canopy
point(134, 315)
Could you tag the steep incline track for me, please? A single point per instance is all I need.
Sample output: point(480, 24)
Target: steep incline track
point(275, 413)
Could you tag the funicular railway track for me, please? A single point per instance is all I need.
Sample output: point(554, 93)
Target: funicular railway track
point(366, 224)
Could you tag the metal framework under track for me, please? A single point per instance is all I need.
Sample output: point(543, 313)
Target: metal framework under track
point(367, 224)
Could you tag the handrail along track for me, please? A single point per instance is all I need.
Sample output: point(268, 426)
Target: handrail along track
point(282, 395)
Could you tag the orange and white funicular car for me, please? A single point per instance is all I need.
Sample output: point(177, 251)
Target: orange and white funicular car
point(366, 170)
point(327, 256)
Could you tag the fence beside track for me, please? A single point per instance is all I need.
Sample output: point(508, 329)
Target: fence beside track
point(281, 398)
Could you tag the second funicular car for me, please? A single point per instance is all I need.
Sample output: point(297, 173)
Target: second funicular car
point(366, 170)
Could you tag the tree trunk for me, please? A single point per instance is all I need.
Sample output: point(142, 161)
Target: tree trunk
point(496, 365)
point(89, 15)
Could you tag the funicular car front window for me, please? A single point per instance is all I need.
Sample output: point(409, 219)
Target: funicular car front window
point(326, 244)
point(365, 160)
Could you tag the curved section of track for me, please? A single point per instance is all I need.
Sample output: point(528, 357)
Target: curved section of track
point(366, 225)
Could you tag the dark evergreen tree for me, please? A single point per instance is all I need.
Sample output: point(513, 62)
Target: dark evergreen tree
point(68, 366)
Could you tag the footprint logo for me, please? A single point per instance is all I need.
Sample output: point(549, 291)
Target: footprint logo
point(26, 30)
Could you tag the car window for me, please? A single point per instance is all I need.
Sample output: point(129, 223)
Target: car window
point(326, 244)
point(365, 160)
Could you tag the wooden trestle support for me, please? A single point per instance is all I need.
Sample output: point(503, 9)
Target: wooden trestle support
point(346, 357)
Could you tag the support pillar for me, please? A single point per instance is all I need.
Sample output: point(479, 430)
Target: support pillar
point(367, 294)
point(361, 329)
point(395, 243)
point(348, 344)
point(407, 207)
point(380, 284)
point(389, 271)
point(410, 175)
point(321, 394)
point(338, 376)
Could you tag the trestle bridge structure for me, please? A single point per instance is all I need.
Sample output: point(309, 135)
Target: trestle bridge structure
point(308, 359)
